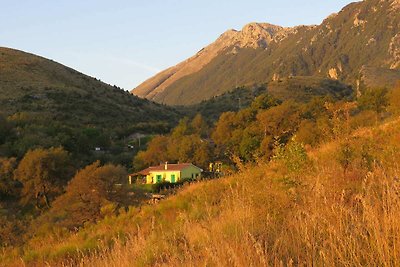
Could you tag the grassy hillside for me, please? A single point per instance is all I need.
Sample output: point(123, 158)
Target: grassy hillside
point(363, 34)
point(50, 105)
point(334, 205)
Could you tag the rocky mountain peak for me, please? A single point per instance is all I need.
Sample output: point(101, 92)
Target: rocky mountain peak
point(254, 35)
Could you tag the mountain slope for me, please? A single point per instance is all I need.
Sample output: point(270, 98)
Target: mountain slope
point(363, 35)
point(52, 104)
point(254, 35)
point(32, 83)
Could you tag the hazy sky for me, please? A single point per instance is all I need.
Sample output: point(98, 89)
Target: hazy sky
point(125, 42)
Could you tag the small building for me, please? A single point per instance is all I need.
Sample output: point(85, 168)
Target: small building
point(172, 173)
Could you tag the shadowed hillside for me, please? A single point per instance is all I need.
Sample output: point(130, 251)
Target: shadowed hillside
point(52, 105)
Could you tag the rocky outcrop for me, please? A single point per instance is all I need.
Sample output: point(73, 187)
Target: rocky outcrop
point(394, 51)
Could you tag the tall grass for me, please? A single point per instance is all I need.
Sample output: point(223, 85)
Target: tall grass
point(320, 213)
point(269, 215)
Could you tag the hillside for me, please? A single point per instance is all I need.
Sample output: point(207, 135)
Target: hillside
point(305, 207)
point(363, 35)
point(294, 172)
point(300, 89)
point(51, 105)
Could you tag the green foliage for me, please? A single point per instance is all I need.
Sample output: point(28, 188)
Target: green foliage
point(293, 155)
point(43, 173)
point(345, 156)
point(91, 191)
point(50, 105)
point(186, 143)
point(374, 99)
point(8, 186)
point(5, 130)
point(280, 121)
point(235, 100)
point(309, 133)
point(264, 101)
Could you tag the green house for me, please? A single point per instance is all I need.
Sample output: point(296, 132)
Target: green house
point(168, 173)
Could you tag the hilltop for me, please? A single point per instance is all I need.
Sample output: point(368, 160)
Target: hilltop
point(360, 42)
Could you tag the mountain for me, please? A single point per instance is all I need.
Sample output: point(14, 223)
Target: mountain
point(359, 43)
point(253, 35)
point(50, 104)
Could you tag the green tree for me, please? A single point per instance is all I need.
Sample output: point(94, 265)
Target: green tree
point(309, 133)
point(156, 152)
point(8, 185)
point(280, 121)
point(43, 173)
point(199, 126)
point(5, 129)
point(264, 101)
point(375, 99)
point(90, 190)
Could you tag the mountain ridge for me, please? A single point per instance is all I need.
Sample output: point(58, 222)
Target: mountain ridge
point(254, 35)
point(362, 35)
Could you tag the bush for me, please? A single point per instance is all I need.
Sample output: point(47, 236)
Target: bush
point(293, 155)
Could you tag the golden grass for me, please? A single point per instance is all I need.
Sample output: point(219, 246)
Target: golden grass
point(266, 215)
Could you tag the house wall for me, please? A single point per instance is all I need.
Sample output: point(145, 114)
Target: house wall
point(190, 172)
point(149, 179)
point(187, 173)
point(165, 176)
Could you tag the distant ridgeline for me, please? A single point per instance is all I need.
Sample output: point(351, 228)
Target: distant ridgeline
point(359, 46)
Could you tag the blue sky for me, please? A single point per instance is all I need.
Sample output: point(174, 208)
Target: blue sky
point(125, 42)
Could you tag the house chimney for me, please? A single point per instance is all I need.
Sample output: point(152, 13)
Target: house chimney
point(166, 165)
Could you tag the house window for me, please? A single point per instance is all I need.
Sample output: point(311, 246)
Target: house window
point(158, 178)
point(172, 178)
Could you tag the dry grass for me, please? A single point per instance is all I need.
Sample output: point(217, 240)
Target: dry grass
point(267, 215)
point(321, 217)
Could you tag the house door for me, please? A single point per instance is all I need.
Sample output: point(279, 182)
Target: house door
point(158, 178)
point(172, 178)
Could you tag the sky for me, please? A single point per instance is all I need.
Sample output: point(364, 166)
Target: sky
point(125, 42)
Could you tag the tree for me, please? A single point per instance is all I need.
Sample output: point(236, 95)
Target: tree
point(186, 143)
point(8, 185)
point(340, 117)
point(199, 126)
point(183, 128)
point(279, 121)
point(43, 173)
point(394, 99)
point(89, 190)
point(156, 152)
point(374, 99)
point(224, 128)
point(5, 129)
point(264, 101)
point(309, 133)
